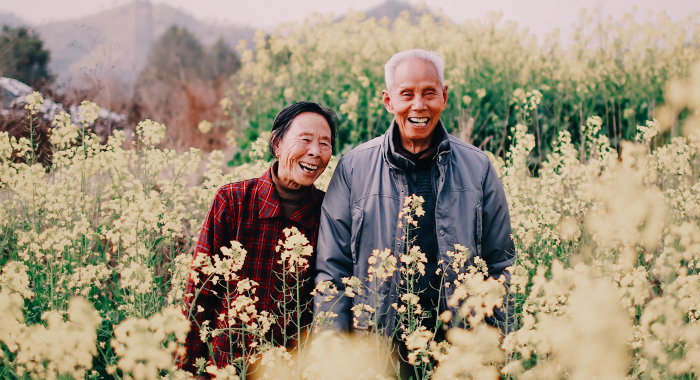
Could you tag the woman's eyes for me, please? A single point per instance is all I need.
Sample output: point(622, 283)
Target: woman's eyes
point(308, 140)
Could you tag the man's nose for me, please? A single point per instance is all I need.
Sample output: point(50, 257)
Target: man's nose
point(418, 103)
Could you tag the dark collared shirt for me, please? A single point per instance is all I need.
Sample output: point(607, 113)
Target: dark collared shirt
point(250, 213)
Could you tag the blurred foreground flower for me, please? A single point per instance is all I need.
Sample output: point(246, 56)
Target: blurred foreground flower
point(62, 347)
point(205, 126)
point(139, 343)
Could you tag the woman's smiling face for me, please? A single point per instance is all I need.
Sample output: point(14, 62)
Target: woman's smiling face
point(304, 151)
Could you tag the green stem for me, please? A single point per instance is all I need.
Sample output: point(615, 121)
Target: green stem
point(298, 311)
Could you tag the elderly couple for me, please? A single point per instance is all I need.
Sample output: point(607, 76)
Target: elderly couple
point(464, 203)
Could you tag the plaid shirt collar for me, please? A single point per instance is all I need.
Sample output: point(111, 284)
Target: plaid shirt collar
point(268, 203)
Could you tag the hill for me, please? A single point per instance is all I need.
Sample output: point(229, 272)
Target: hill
point(11, 20)
point(390, 9)
point(116, 41)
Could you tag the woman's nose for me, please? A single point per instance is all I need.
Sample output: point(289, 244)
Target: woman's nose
point(314, 149)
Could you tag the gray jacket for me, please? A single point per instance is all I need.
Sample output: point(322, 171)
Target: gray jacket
point(360, 214)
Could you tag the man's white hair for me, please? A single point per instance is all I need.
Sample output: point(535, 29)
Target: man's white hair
point(428, 56)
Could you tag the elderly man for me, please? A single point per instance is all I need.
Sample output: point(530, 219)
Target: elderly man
point(464, 200)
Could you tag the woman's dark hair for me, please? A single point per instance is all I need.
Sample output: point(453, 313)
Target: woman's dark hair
point(284, 119)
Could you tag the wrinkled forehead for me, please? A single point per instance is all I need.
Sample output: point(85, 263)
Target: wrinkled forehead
point(310, 124)
point(415, 72)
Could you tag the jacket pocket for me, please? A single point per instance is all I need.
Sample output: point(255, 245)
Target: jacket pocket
point(357, 217)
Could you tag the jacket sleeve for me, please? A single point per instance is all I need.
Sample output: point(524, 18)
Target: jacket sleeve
point(496, 242)
point(497, 247)
point(334, 256)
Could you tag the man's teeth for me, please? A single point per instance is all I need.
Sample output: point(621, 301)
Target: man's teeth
point(419, 121)
point(308, 167)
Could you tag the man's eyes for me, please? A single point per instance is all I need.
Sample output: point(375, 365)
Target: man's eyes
point(428, 93)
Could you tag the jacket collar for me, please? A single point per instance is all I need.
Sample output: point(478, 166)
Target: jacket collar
point(397, 160)
point(268, 202)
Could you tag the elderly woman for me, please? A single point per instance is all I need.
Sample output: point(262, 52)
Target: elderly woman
point(255, 213)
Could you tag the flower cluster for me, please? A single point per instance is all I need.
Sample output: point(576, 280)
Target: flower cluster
point(382, 264)
point(138, 343)
point(205, 126)
point(150, 132)
point(34, 102)
point(88, 112)
point(294, 250)
point(60, 347)
point(14, 278)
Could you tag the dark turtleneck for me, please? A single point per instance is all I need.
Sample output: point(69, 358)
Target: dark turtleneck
point(290, 199)
point(420, 170)
point(422, 160)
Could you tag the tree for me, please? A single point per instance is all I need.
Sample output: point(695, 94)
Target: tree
point(177, 54)
point(221, 60)
point(23, 57)
point(182, 84)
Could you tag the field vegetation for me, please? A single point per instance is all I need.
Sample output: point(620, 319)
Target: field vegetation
point(616, 69)
point(599, 160)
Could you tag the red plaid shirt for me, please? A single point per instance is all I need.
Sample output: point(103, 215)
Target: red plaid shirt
point(250, 213)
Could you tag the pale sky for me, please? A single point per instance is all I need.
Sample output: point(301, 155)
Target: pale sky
point(540, 16)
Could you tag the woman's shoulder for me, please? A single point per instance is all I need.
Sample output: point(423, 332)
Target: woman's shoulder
point(317, 194)
point(237, 190)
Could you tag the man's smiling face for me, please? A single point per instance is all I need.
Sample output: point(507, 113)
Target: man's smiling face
point(416, 99)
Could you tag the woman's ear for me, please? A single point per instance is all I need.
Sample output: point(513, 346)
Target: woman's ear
point(275, 147)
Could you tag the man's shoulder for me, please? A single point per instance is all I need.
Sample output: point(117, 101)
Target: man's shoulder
point(368, 148)
point(465, 151)
point(364, 156)
point(366, 152)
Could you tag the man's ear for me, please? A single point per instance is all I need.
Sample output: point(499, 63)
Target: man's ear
point(387, 101)
point(444, 98)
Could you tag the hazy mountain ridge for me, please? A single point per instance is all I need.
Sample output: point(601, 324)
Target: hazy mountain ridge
point(391, 9)
point(116, 41)
point(11, 20)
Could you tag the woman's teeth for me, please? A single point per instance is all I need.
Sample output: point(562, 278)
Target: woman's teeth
point(419, 121)
point(307, 167)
